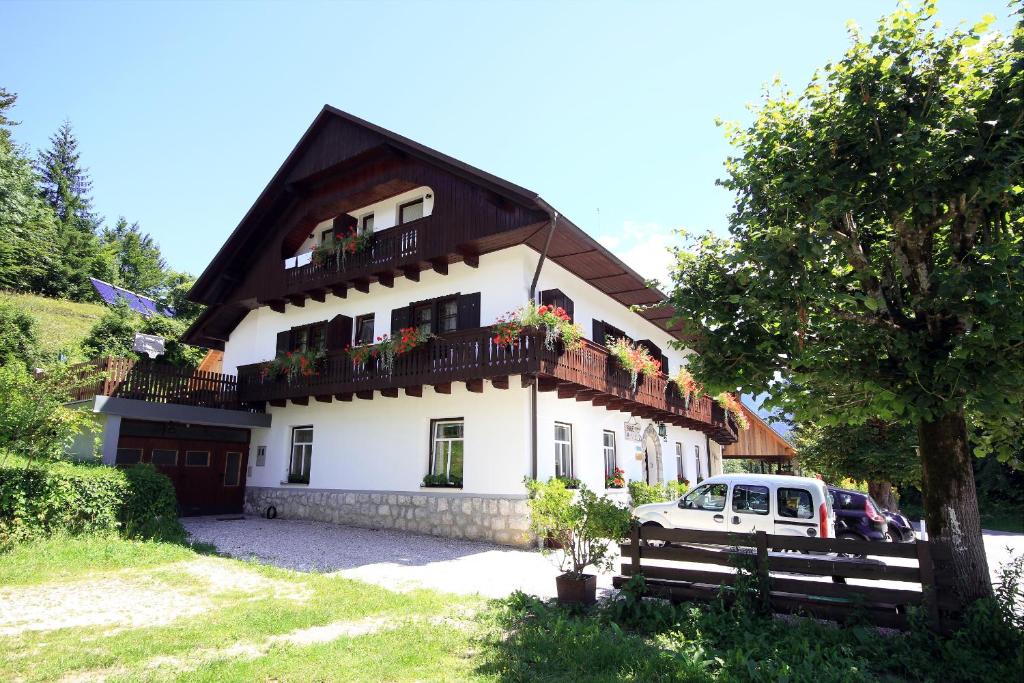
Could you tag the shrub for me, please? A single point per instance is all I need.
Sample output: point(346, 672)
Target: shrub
point(34, 420)
point(581, 528)
point(642, 493)
point(18, 339)
point(60, 497)
point(442, 480)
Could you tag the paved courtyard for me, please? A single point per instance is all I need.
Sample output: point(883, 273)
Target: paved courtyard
point(395, 559)
point(402, 560)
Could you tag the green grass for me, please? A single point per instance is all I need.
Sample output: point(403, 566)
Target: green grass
point(249, 634)
point(61, 324)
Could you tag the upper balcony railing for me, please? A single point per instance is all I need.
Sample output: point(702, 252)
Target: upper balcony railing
point(387, 249)
point(158, 383)
point(473, 355)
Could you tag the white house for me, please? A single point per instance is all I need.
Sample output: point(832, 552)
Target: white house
point(446, 249)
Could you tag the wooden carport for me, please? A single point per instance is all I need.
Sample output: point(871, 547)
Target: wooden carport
point(761, 443)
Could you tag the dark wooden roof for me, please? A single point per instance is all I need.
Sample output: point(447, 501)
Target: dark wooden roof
point(327, 150)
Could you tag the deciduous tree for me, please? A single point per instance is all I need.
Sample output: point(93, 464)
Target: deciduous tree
point(875, 266)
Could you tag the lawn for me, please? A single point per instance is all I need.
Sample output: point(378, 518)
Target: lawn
point(61, 324)
point(98, 608)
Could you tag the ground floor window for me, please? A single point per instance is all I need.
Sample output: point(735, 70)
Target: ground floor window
point(446, 450)
point(563, 450)
point(700, 470)
point(609, 454)
point(302, 454)
point(679, 462)
point(128, 456)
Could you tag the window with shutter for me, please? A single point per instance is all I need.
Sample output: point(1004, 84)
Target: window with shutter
point(555, 297)
point(599, 332)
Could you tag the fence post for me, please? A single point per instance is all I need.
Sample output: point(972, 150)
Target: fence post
point(634, 548)
point(929, 591)
point(764, 587)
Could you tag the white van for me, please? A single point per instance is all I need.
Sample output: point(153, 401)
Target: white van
point(776, 504)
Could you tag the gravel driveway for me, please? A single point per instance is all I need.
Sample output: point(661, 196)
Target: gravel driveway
point(394, 559)
point(402, 560)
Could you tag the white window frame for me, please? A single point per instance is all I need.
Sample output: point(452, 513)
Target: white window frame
point(680, 472)
point(305, 455)
point(696, 453)
point(563, 452)
point(612, 462)
point(435, 440)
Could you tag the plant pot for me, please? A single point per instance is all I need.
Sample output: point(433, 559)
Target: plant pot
point(576, 589)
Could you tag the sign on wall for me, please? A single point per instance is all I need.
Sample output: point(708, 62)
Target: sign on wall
point(633, 431)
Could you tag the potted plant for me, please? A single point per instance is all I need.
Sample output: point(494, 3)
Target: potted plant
point(731, 404)
point(340, 246)
point(293, 365)
point(585, 526)
point(387, 348)
point(617, 480)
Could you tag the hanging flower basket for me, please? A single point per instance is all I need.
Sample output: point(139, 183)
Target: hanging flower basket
point(555, 322)
point(293, 365)
point(339, 247)
point(731, 404)
point(387, 348)
point(686, 385)
point(636, 359)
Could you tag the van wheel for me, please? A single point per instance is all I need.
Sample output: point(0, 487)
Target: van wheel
point(654, 544)
point(850, 537)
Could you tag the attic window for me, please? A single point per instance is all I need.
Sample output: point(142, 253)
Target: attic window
point(410, 211)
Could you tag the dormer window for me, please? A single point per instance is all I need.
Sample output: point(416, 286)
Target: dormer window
point(410, 211)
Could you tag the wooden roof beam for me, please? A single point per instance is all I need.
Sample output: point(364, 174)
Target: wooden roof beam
point(500, 382)
point(391, 392)
point(324, 398)
point(475, 386)
point(439, 265)
point(301, 400)
point(445, 388)
point(318, 295)
point(411, 273)
point(362, 285)
point(365, 395)
point(386, 279)
point(296, 299)
point(339, 291)
point(416, 391)
point(344, 396)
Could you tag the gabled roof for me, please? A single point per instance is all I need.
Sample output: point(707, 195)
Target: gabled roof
point(571, 247)
point(111, 294)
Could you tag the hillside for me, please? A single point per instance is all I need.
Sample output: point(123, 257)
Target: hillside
point(62, 325)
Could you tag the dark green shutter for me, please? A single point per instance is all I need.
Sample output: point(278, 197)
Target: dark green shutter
point(339, 333)
point(284, 341)
point(400, 317)
point(469, 311)
point(599, 332)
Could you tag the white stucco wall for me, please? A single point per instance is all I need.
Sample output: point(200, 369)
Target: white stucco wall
point(590, 303)
point(503, 280)
point(588, 425)
point(383, 444)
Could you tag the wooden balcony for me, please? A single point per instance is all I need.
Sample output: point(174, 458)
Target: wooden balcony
point(158, 383)
point(397, 250)
point(471, 356)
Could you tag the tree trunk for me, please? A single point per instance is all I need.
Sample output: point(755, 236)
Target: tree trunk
point(884, 495)
point(951, 502)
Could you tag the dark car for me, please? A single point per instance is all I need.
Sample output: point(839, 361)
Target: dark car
point(899, 527)
point(858, 516)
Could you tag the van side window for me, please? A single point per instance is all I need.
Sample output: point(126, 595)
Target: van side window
point(710, 497)
point(750, 499)
point(796, 503)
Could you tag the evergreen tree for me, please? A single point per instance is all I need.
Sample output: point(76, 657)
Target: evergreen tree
point(65, 186)
point(27, 224)
point(134, 258)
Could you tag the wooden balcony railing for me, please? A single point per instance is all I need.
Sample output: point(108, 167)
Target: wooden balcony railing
point(473, 355)
point(387, 250)
point(158, 383)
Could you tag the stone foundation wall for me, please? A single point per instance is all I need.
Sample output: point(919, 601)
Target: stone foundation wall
point(498, 519)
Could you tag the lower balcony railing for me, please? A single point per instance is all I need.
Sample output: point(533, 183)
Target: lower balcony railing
point(157, 383)
point(589, 373)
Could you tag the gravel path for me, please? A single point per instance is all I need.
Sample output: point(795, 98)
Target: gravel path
point(394, 559)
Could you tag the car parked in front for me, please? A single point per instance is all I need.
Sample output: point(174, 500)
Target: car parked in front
point(858, 516)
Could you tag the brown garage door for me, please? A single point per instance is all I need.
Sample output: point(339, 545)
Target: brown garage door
point(208, 474)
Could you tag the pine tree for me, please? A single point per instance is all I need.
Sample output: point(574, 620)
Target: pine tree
point(27, 224)
point(134, 258)
point(65, 186)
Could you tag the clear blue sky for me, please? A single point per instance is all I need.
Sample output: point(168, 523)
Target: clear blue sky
point(185, 110)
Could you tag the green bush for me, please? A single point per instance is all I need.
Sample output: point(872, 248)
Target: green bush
point(19, 341)
point(38, 500)
point(642, 493)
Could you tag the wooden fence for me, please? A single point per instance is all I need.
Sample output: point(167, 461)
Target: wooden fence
point(157, 383)
point(798, 574)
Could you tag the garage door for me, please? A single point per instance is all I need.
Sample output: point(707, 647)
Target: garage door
point(208, 475)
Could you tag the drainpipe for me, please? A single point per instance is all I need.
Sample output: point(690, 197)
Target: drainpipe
point(533, 387)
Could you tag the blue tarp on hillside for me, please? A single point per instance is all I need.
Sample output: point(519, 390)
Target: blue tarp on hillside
point(111, 294)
